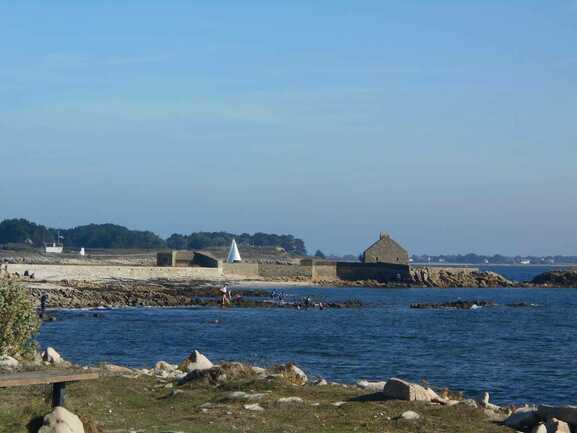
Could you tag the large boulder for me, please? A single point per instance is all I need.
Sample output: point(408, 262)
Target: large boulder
point(8, 362)
point(51, 356)
point(398, 389)
point(61, 420)
point(563, 413)
point(524, 418)
point(196, 361)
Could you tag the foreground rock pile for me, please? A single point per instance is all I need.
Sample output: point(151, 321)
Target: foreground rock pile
point(197, 372)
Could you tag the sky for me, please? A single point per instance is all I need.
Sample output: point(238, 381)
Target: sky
point(450, 124)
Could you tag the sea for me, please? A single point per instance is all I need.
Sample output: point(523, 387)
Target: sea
point(518, 355)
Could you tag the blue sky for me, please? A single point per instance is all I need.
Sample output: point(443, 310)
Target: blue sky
point(450, 124)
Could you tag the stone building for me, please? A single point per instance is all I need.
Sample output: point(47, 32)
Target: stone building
point(386, 250)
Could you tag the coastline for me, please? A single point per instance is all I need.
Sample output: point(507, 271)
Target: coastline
point(258, 399)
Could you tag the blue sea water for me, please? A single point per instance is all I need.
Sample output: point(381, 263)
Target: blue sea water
point(516, 354)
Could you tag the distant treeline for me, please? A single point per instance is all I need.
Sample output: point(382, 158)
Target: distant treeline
point(201, 240)
point(496, 259)
point(21, 231)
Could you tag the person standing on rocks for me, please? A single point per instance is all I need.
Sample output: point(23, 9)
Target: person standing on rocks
point(225, 291)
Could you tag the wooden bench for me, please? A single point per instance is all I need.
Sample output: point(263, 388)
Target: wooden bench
point(57, 378)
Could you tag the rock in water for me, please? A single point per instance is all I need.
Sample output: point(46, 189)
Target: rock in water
point(398, 389)
point(61, 420)
point(195, 361)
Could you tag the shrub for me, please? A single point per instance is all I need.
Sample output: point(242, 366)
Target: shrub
point(19, 320)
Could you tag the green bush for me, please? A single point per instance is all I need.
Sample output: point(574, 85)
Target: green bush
point(19, 320)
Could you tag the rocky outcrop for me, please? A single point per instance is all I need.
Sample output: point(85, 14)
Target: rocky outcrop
point(457, 277)
point(566, 278)
point(60, 420)
point(455, 305)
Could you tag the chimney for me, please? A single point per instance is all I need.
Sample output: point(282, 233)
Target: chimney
point(383, 235)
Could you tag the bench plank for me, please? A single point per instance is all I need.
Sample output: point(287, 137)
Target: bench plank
point(44, 377)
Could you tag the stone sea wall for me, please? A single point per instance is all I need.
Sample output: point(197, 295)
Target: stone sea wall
point(320, 272)
point(97, 273)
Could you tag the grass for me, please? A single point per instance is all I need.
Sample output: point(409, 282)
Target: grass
point(121, 404)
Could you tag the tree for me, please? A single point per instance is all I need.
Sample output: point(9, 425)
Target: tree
point(319, 254)
point(177, 242)
point(19, 320)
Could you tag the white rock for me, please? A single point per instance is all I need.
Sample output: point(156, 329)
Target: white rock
point(240, 395)
point(254, 407)
point(290, 400)
point(539, 428)
point(51, 356)
point(556, 426)
point(259, 370)
point(321, 382)
point(196, 361)
point(113, 368)
point(61, 420)
point(398, 389)
point(410, 415)
point(237, 395)
point(339, 403)
point(165, 366)
point(8, 362)
point(371, 386)
point(485, 398)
